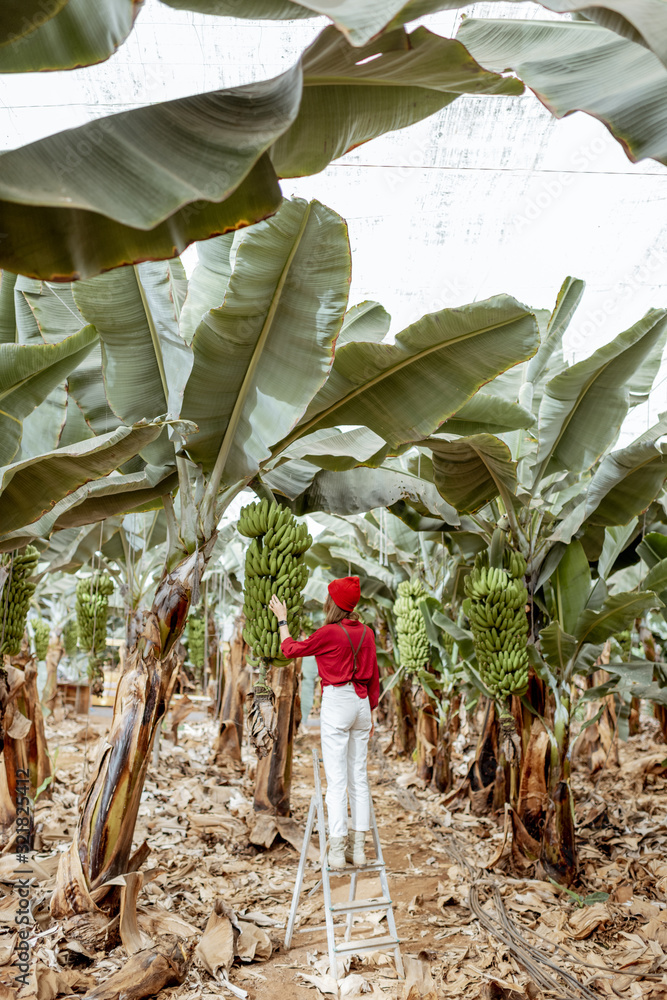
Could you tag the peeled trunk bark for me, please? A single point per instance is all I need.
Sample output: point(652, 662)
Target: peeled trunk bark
point(54, 655)
point(273, 781)
point(14, 754)
point(482, 776)
point(228, 743)
point(108, 808)
point(38, 758)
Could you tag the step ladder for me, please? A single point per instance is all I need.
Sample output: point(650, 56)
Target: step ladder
point(349, 946)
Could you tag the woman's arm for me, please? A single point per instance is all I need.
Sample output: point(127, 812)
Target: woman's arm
point(296, 647)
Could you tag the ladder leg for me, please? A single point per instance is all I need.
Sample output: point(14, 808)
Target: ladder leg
point(352, 897)
point(391, 923)
point(300, 872)
point(324, 858)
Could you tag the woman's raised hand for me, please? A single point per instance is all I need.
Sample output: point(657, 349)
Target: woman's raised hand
point(279, 608)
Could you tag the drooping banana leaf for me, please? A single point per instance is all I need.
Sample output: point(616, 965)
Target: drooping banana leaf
point(583, 408)
point(339, 450)
point(260, 358)
point(143, 183)
point(351, 95)
point(30, 488)
point(54, 311)
point(617, 612)
point(146, 363)
point(359, 490)
point(567, 301)
point(368, 321)
point(627, 480)
point(359, 20)
point(78, 34)
point(582, 66)
point(469, 472)
point(28, 373)
point(486, 414)
point(404, 391)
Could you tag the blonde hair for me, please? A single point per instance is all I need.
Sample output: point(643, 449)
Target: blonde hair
point(333, 614)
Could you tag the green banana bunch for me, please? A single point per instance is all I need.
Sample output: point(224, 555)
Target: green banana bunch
point(70, 637)
point(496, 609)
point(195, 641)
point(16, 596)
point(42, 632)
point(274, 564)
point(413, 645)
point(92, 608)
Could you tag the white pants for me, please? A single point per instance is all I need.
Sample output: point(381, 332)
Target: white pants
point(345, 725)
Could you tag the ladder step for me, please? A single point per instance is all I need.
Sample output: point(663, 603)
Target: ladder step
point(372, 866)
point(366, 944)
point(361, 905)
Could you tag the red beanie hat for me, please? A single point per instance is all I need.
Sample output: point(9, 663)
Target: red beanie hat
point(345, 592)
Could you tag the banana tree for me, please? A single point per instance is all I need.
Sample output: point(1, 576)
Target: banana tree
point(554, 492)
point(206, 397)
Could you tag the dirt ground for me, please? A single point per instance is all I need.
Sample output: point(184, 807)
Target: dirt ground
point(524, 934)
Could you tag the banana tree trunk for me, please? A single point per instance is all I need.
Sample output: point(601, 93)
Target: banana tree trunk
point(228, 743)
point(483, 777)
point(558, 854)
point(108, 808)
point(404, 717)
point(426, 736)
point(273, 780)
point(447, 731)
point(54, 655)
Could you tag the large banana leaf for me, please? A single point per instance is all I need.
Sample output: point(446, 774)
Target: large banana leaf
point(41, 429)
point(143, 183)
point(471, 471)
point(353, 95)
point(146, 363)
point(581, 66)
point(30, 488)
point(359, 20)
point(583, 408)
point(567, 301)
point(617, 612)
point(28, 373)
point(78, 34)
point(339, 450)
point(260, 358)
point(362, 489)
point(96, 501)
point(571, 582)
point(208, 284)
point(404, 391)
point(627, 480)
point(52, 309)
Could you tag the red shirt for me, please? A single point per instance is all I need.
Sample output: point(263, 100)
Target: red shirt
point(333, 652)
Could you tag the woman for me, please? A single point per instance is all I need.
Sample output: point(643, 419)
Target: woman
point(347, 664)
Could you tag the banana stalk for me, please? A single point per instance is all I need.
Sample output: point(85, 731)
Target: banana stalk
point(108, 810)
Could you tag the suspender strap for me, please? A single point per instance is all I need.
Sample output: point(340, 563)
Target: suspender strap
point(354, 651)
